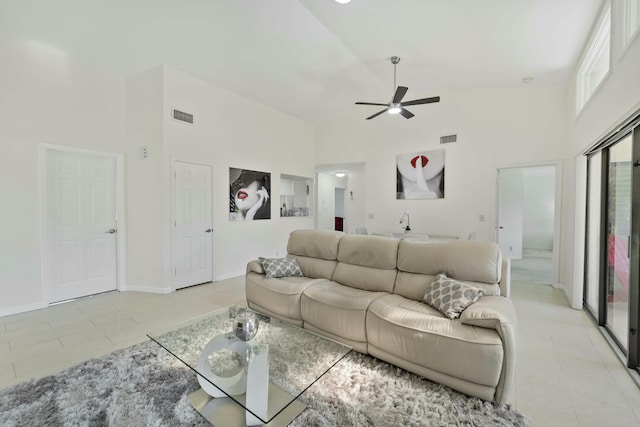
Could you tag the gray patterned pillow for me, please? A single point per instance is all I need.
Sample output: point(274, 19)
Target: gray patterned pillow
point(280, 267)
point(450, 297)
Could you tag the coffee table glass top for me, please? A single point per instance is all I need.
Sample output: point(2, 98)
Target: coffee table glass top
point(291, 358)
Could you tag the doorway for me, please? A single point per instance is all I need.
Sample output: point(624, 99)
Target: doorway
point(612, 272)
point(81, 246)
point(340, 216)
point(527, 221)
point(192, 224)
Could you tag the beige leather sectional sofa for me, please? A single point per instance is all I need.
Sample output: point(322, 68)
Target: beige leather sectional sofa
point(367, 291)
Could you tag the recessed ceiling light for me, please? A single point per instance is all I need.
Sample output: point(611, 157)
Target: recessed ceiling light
point(527, 80)
point(340, 174)
point(343, 1)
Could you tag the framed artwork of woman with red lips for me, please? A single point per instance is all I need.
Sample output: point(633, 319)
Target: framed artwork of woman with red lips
point(420, 175)
point(249, 196)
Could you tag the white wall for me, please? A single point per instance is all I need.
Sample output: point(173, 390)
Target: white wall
point(355, 197)
point(302, 197)
point(339, 201)
point(231, 131)
point(538, 200)
point(46, 97)
point(495, 127)
point(145, 196)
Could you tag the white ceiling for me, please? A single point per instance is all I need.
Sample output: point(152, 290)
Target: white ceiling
point(314, 58)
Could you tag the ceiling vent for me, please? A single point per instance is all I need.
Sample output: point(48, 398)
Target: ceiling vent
point(448, 139)
point(182, 116)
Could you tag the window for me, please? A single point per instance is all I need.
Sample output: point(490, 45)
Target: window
point(629, 16)
point(595, 63)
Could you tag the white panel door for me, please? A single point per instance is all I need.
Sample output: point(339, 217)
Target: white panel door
point(509, 221)
point(193, 233)
point(80, 224)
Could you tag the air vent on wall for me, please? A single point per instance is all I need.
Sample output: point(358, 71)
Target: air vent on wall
point(447, 139)
point(182, 116)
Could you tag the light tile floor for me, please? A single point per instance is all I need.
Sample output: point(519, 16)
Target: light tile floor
point(567, 374)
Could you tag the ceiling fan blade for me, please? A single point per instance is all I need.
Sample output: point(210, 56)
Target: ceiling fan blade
point(406, 113)
point(370, 103)
point(376, 114)
point(422, 101)
point(400, 92)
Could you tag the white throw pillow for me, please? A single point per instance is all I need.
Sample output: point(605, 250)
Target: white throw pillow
point(451, 297)
point(280, 267)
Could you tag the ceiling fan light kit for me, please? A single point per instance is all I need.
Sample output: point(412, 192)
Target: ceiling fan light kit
point(396, 106)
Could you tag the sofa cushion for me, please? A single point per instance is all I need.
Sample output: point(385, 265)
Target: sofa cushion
point(321, 244)
point(315, 250)
point(450, 297)
point(280, 267)
point(464, 260)
point(367, 262)
point(315, 268)
point(280, 297)
point(420, 334)
point(338, 309)
point(475, 263)
point(414, 286)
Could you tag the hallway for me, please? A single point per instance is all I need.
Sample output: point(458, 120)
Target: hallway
point(535, 267)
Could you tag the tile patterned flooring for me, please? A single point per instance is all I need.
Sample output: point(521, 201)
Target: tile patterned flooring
point(567, 374)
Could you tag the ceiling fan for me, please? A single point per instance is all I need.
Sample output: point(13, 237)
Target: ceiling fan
point(396, 105)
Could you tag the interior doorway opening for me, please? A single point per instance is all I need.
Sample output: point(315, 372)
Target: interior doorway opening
point(340, 217)
point(527, 222)
point(340, 193)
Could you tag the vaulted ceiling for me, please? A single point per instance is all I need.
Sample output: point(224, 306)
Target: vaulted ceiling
point(314, 58)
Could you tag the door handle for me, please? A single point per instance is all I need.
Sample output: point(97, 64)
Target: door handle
point(111, 231)
point(499, 227)
point(208, 230)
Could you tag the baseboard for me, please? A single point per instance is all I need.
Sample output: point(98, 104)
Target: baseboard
point(148, 289)
point(228, 276)
point(567, 297)
point(22, 309)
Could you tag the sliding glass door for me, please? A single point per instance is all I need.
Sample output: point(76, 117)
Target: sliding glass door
point(618, 239)
point(612, 252)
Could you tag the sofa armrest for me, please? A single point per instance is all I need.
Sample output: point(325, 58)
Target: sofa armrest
point(498, 312)
point(490, 312)
point(255, 266)
point(505, 278)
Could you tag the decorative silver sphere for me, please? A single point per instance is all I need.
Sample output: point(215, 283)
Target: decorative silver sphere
point(245, 324)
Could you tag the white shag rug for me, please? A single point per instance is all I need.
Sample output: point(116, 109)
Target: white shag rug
point(144, 385)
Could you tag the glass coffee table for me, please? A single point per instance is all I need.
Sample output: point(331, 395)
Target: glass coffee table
point(253, 382)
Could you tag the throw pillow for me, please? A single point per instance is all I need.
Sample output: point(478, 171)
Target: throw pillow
point(449, 296)
point(280, 267)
